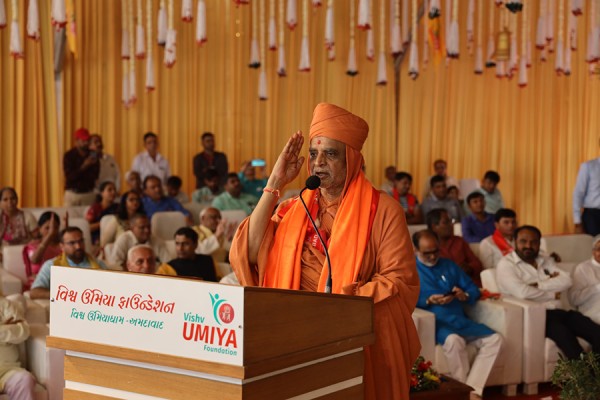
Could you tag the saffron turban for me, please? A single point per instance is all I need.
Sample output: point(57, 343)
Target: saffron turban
point(334, 122)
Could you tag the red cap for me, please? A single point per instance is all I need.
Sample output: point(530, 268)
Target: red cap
point(82, 134)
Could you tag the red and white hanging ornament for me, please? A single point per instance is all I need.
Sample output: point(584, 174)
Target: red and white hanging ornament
point(281, 66)
point(254, 50)
point(330, 31)
point(364, 21)
point(513, 64)
point(241, 2)
point(470, 26)
point(125, 51)
point(396, 32)
point(171, 45)
point(593, 53)
point(352, 66)
point(16, 49)
point(2, 15)
point(263, 93)
point(491, 44)
point(59, 14)
point(272, 27)
point(572, 32)
point(559, 59)
point(304, 65)
point(370, 43)
point(405, 24)
point(540, 38)
point(201, 37)
point(413, 62)
point(33, 20)
point(550, 25)
point(150, 85)
point(162, 24)
point(317, 3)
point(140, 43)
point(381, 65)
point(425, 59)
point(524, 41)
point(577, 7)
point(187, 10)
point(435, 9)
point(479, 48)
point(453, 48)
point(132, 79)
point(292, 16)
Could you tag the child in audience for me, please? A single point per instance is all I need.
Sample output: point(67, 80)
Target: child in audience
point(174, 190)
point(104, 205)
point(117, 224)
point(46, 247)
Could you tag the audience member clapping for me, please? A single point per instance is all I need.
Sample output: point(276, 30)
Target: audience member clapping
point(214, 234)
point(130, 205)
point(43, 248)
point(104, 205)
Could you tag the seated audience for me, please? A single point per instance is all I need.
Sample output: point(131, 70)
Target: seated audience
point(39, 250)
point(155, 201)
point(452, 193)
point(139, 233)
point(17, 382)
point(454, 247)
point(525, 274)
point(501, 243)
point(210, 190)
point(134, 182)
point(493, 197)
point(390, 175)
point(109, 169)
point(104, 205)
point(585, 292)
point(408, 201)
point(150, 162)
point(16, 226)
point(188, 263)
point(141, 259)
point(250, 183)
point(439, 199)
point(174, 190)
point(440, 167)
point(214, 234)
point(479, 224)
point(73, 255)
point(445, 297)
point(117, 224)
point(233, 198)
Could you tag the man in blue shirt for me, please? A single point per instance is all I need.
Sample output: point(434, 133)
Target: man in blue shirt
point(479, 224)
point(73, 255)
point(444, 290)
point(154, 200)
point(586, 196)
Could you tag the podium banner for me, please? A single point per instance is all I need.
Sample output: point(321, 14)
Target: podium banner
point(174, 316)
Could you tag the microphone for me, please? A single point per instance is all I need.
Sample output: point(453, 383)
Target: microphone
point(313, 182)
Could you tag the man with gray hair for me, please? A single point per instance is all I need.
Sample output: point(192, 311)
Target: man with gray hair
point(141, 259)
point(585, 292)
point(214, 234)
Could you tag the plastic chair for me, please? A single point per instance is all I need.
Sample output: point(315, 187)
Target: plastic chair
point(467, 186)
point(166, 223)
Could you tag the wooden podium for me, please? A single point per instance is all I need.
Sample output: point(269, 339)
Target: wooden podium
point(289, 344)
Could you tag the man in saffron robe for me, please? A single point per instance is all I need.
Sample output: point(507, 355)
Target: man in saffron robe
point(369, 243)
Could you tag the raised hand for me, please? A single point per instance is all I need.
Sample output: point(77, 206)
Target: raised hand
point(288, 164)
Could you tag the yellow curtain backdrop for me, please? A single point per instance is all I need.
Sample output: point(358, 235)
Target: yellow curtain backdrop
point(28, 131)
point(535, 137)
point(211, 88)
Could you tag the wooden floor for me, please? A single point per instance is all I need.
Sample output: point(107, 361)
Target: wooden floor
point(546, 391)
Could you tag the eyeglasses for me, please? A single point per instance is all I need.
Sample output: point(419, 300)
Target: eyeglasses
point(73, 242)
point(430, 253)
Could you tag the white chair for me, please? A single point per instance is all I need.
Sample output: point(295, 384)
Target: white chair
point(234, 216)
point(467, 186)
point(84, 225)
point(195, 209)
point(47, 365)
point(412, 229)
point(171, 249)
point(10, 283)
point(574, 248)
point(457, 229)
point(540, 354)
point(13, 261)
point(166, 223)
point(504, 318)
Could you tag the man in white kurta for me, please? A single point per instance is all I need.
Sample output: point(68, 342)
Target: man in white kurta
point(585, 292)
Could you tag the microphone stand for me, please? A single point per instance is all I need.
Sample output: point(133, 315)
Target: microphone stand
point(328, 284)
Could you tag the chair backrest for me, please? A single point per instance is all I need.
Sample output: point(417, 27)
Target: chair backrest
point(170, 245)
point(457, 228)
point(13, 261)
point(488, 280)
point(475, 248)
point(223, 269)
point(84, 225)
point(573, 248)
point(166, 223)
point(412, 229)
point(234, 216)
point(195, 209)
point(466, 186)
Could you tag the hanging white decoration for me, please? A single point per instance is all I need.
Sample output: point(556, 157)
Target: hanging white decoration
point(59, 14)
point(540, 38)
point(125, 52)
point(491, 44)
point(262, 76)
point(559, 60)
point(572, 32)
point(396, 46)
point(593, 42)
point(16, 49)
point(272, 27)
point(140, 49)
point(171, 45)
point(329, 26)
point(435, 10)
point(292, 18)
point(470, 25)
point(281, 67)
point(370, 45)
point(304, 65)
point(131, 30)
point(405, 24)
point(381, 65)
point(162, 24)
point(577, 7)
point(550, 24)
point(453, 48)
point(33, 20)
point(201, 37)
point(364, 21)
point(352, 68)
point(413, 62)
point(425, 36)
point(187, 10)
point(254, 50)
point(479, 49)
point(150, 85)
point(2, 15)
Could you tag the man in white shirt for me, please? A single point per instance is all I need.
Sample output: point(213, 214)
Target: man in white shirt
point(585, 292)
point(140, 233)
point(440, 167)
point(525, 274)
point(151, 162)
point(109, 169)
point(214, 235)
